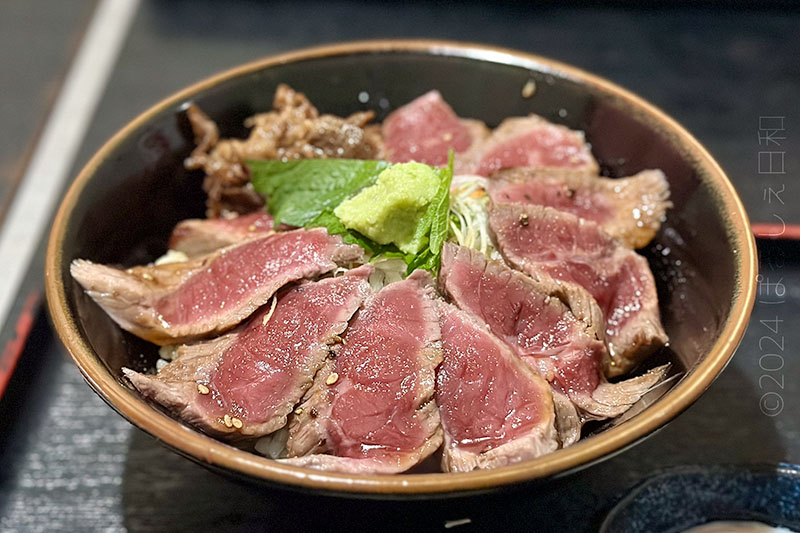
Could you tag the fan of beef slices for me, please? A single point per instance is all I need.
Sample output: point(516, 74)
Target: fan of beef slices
point(551, 213)
point(279, 339)
point(569, 236)
point(582, 229)
point(427, 128)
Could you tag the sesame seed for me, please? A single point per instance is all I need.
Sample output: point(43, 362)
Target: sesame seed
point(168, 352)
point(237, 423)
point(455, 523)
point(332, 378)
point(252, 227)
point(227, 420)
point(271, 310)
point(147, 276)
point(298, 411)
point(202, 389)
point(528, 89)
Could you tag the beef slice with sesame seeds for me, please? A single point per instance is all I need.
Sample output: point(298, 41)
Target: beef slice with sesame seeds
point(371, 409)
point(629, 209)
point(256, 374)
point(542, 241)
point(181, 302)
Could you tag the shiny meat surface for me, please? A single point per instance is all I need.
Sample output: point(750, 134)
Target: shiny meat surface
point(527, 142)
point(425, 129)
point(371, 408)
point(554, 327)
point(260, 371)
point(173, 303)
point(541, 241)
point(495, 410)
point(630, 209)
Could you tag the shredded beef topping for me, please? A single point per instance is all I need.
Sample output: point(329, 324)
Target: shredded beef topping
point(294, 129)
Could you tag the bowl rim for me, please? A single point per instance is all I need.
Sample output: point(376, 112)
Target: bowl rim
point(215, 453)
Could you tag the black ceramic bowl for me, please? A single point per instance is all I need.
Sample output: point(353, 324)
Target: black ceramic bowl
point(122, 206)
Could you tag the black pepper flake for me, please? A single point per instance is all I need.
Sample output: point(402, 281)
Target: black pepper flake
point(314, 412)
point(570, 192)
point(523, 219)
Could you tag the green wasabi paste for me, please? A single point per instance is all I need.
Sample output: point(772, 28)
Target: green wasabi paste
point(388, 212)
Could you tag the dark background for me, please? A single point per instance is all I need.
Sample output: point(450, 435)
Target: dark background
point(68, 462)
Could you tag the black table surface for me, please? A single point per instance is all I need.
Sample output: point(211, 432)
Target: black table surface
point(69, 463)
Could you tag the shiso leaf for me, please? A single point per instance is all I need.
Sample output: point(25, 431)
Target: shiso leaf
point(299, 191)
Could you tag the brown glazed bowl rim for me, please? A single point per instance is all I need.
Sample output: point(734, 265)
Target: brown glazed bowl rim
point(215, 453)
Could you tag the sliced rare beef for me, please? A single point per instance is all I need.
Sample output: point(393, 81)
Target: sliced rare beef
point(542, 241)
point(538, 317)
point(554, 327)
point(630, 209)
point(425, 129)
point(179, 302)
point(247, 382)
point(495, 409)
point(198, 236)
point(293, 130)
point(371, 408)
point(527, 142)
